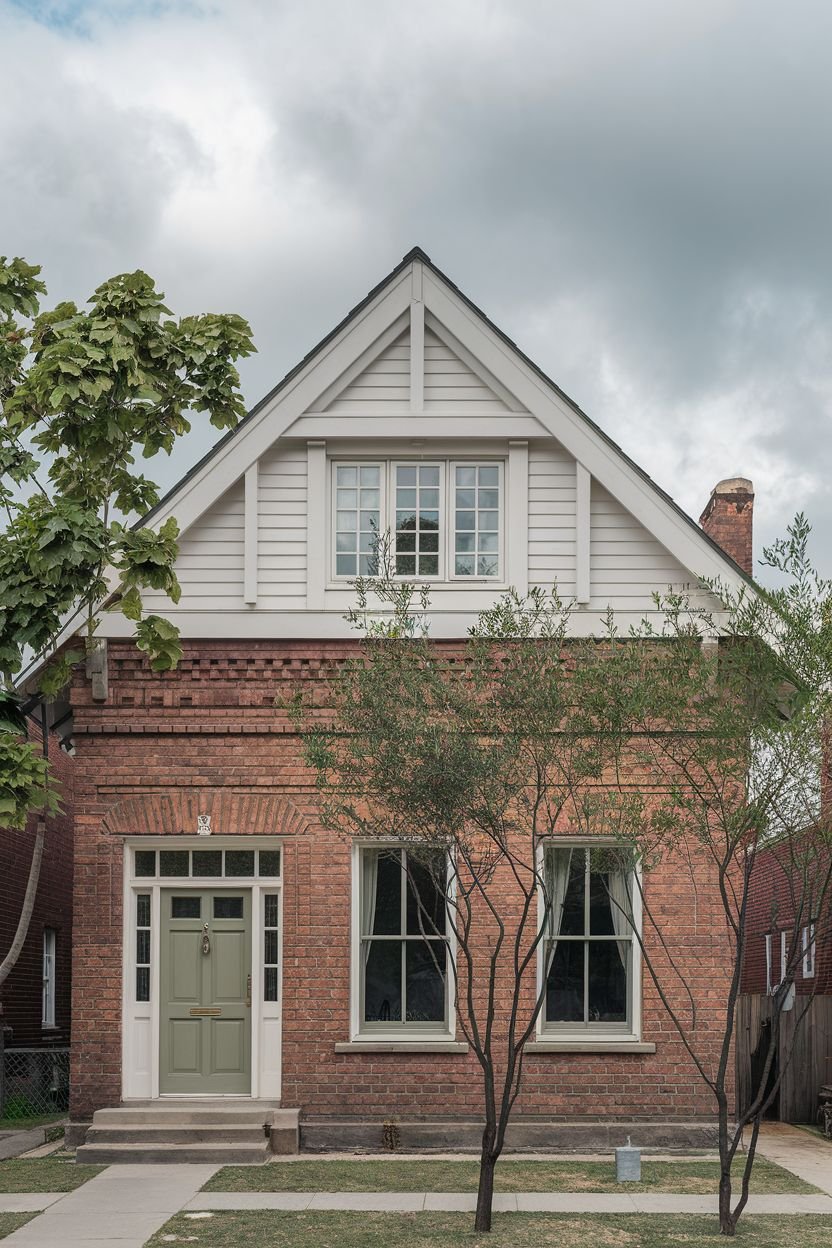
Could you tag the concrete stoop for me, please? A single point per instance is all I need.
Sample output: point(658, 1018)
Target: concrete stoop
point(220, 1132)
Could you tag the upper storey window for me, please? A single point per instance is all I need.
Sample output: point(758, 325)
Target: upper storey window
point(445, 519)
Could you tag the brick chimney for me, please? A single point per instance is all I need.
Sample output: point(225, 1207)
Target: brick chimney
point(728, 519)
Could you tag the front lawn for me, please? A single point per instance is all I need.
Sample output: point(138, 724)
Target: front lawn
point(56, 1173)
point(511, 1230)
point(402, 1175)
point(13, 1221)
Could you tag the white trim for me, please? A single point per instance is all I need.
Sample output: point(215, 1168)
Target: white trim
point(140, 1030)
point(417, 353)
point(583, 486)
point(783, 955)
point(591, 1035)
point(516, 516)
point(251, 520)
point(474, 423)
point(809, 951)
point(316, 524)
point(769, 985)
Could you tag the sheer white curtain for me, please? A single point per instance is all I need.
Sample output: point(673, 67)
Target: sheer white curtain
point(369, 887)
point(621, 907)
point(558, 866)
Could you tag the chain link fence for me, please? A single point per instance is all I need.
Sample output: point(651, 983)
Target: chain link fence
point(33, 1082)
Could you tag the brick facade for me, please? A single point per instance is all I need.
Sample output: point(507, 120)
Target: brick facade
point(729, 520)
point(208, 738)
point(21, 994)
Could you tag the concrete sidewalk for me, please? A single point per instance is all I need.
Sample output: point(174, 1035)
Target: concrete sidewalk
point(120, 1208)
point(806, 1155)
point(510, 1202)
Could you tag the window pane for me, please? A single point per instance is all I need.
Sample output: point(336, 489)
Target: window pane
point(270, 984)
point(429, 521)
point(466, 476)
point(425, 984)
point(345, 543)
point(387, 913)
point(345, 565)
point(369, 501)
point(405, 520)
point(382, 981)
point(429, 542)
point(608, 969)
point(465, 542)
point(405, 542)
point(185, 907)
point(143, 910)
point(572, 922)
point(429, 498)
point(368, 565)
point(145, 862)
point(488, 543)
point(347, 476)
point(270, 954)
point(370, 475)
point(489, 519)
point(405, 565)
point(487, 565)
point(425, 898)
point(465, 520)
point(466, 498)
point(406, 499)
point(271, 910)
point(489, 474)
point(174, 862)
point(565, 983)
point(488, 498)
point(143, 946)
point(405, 475)
point(228, 907)
point(239, 862)
point(429, 565)
point(142, 983)
point(428, 474)
point(346, 521)
point(347, 499)
point(207, 862)
point(464, 565)
point(269, 864)
point(600, 916)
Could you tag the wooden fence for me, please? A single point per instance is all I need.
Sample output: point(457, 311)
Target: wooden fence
point(806, 1050)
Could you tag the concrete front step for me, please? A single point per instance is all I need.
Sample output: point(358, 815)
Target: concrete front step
point(222, 1132)
point(217, 1154)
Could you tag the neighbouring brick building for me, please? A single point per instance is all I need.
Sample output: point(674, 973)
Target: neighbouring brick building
point(36, 996)
point(225, 944)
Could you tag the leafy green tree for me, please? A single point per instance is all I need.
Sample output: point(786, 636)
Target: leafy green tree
point(86, 395)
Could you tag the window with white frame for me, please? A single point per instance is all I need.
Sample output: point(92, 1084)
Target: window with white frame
point(445, 519)
point(402, 952)
point(49, 949)
point(809, 952)
point(358, 510)
point(589, 950)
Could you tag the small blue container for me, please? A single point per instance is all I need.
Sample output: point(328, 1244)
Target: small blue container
point(628, 1164)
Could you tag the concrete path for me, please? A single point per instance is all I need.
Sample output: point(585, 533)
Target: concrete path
point(464, 1202)
point(806, 1155)
point(120, 1208)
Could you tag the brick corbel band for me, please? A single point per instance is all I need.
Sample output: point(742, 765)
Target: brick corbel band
point(174, 813)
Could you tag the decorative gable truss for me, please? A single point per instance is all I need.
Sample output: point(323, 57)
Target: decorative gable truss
point(416, 374)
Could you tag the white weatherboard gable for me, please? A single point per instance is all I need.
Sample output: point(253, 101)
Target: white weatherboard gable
point(416, 372)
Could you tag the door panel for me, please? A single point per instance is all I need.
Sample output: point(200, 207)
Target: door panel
point(205, 1025)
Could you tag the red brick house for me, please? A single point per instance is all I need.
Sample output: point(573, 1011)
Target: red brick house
point(36, 997)
point(226, 946)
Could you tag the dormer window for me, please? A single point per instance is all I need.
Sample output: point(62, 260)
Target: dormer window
point(444, 517)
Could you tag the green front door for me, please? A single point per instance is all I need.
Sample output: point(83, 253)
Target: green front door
point(205, 1026)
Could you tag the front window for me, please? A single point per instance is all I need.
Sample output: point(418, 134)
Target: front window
point(445, 519)
point(403, 945)
point(589, 948)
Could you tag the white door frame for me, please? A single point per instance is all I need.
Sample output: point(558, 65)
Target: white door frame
point(140, 1019)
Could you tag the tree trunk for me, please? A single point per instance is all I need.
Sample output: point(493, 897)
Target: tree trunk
point(7, 965)
point(727, 1221)
point(485, 1193)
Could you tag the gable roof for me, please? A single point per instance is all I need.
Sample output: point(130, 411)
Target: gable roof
point(699, 553)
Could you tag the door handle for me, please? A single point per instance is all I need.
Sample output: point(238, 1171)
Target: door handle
point(248, 992)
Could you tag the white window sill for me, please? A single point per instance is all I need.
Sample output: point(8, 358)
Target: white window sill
point(547, 1045)
point(401, 1046)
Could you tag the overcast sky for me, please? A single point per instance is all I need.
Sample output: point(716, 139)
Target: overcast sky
point(639, 193)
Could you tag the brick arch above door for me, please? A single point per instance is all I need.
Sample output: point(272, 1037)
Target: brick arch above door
point(174, 812)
